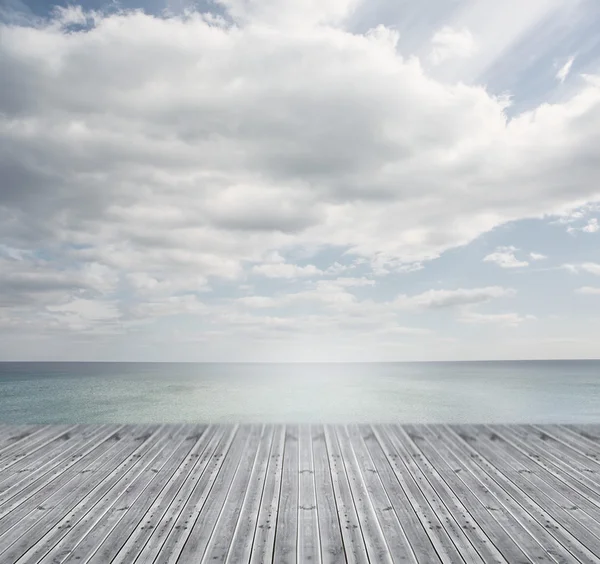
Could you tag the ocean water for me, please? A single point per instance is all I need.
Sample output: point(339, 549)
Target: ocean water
point(453, 392)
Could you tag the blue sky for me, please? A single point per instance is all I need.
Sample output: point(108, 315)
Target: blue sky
point(299, 180)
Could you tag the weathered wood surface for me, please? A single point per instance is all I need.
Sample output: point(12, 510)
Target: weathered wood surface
point(320, 493)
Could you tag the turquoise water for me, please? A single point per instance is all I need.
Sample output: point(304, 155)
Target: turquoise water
point(531, 391)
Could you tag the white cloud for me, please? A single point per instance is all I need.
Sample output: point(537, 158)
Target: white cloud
point(448, 43)
point(537, 256)
point(589, 267)
point(147, 159)
point(284, 270)
point(505, 258)
point(588, 290)
point(509, 319)
point(173, 305)
point(592, 226)
point(436, 299)
point(564, 71)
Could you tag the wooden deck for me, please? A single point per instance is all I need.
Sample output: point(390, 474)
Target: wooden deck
point(357, 493)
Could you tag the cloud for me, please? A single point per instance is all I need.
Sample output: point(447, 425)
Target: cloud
point(448, 43)
point(589, 267)
point(505, 258)
point(284, 270)
point(145, 159)
point(537, 256)
point(508, 319)
point(564, 71)
point(437, 299)
point(592, 226)
point(588, 290)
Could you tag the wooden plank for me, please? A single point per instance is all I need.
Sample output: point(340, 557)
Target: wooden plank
point(17, 435)
point(167, 539)
point(309, 547)
point(70, 491)
point(543, 452)
point(560, 489)
point(354, 543)
point(220, 541)
point(464, 531)
point(286, 534)
point(65, 454)
point(539, 532)
point(566, 521)
point(165, 504)
point(371, 504)
point(569, 433)
point(28, 445)
point(202, 522)
point(588, 453)
point(32, 461)
point(398, 520)
point(241, 545)
point(405, 494)
point(34, 494)
point(264, 535)
point(329, 527)
point(99, 535)
point(496, 525)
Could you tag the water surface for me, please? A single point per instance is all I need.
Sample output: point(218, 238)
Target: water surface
point(499, 392)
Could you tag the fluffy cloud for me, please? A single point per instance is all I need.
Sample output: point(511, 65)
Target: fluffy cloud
point(588, 290)
point(435, 299)
point(589, 267)
point(505, 258)
point(537, 256)
point(448, 42)
point(146, 159)
point(509, 319)
point(564, 71)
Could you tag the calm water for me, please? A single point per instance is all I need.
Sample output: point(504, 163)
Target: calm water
point(548, 391)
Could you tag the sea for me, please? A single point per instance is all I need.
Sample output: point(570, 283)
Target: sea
point(558, 391)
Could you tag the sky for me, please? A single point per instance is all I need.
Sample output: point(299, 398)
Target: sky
point(299, 180)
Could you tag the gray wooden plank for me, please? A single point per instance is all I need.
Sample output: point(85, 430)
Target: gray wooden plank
point(572, 526)
point(354, 544)
point(162, 511)
point(487, 522)
point(43, 522)
point(329, 527)
point(222, 536)
point(34, 494)
point(167, 540)
point(64, 454)
point(31, 461)
point(560, 486)
point(510, 489)
point(112, 519)
point(405, 494)
point(588, 452)
point(511, 529)
point(455, 519)
point(552, 509)
point(264, 535)
point(544, 452)
point(404, 533)
point(17, 435)
point(460, 502)
point(286, 533)
point(571, 434)
point(372, 505)
point(309, 546)
point(241, 544)
point(28, 446)
point(192, 547)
